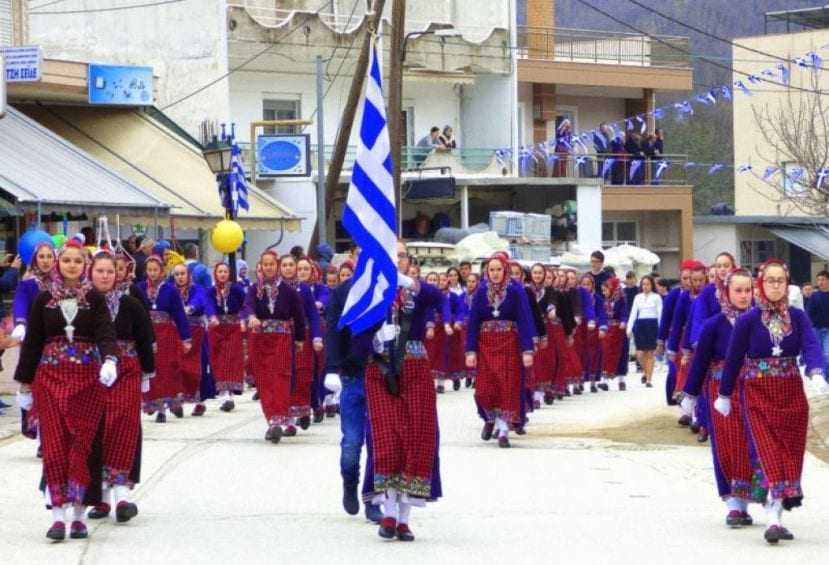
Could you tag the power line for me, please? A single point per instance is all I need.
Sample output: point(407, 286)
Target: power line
point(247, 61)
point(711, 35)
point(97, 10)
point(681, 50)
point(46, 4)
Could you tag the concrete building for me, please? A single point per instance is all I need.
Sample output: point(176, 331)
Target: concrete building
point(770, 219)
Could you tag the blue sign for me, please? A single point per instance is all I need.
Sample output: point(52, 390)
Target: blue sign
point(283, 156)
point(22, 63)
point(121, 86)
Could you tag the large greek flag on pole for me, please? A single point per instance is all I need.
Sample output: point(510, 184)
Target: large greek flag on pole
point(369, 214)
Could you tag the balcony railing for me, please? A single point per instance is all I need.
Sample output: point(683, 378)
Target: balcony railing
point(586, 46)
point(468, 160)
point(621, 171)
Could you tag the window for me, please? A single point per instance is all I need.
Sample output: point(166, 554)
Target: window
point(617, 233)
point(754, 253)
point(281, 110)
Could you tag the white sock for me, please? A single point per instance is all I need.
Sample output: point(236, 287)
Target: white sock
point(78, 513)
point(58, 514)
point(106, 494)
point(390, 504)
point(538, 395)
point(227, 395)
point(774, 508)
point(403, 513)
point(122, 493)
point(502, 427)
point(47, 497)
point(733, 504)
point(621, 378)
point(743, 504)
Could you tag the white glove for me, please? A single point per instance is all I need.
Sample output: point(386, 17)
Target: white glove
point(723, 405)
point(145, 386)
point(591, 325)
point(404, 281)
point(24, 400)
point(333, 383)
point(688, 404)
point(819, 384)
point(19, 332)
point(108, 373)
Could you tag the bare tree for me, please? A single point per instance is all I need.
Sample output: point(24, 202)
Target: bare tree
point(795, 131)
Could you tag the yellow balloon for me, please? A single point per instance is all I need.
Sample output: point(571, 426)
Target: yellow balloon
point(227, 236)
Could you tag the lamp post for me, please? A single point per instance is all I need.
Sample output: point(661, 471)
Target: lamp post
point(219, 155)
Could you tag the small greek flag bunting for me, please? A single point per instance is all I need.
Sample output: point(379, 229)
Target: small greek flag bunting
point(370, 216)
point(770, 170)
point(744, 168)
point(661, 168)
point(821, 176)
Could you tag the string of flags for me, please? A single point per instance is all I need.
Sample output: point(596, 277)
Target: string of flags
point(550, 152)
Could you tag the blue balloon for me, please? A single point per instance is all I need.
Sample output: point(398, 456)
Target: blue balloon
point(30, 241)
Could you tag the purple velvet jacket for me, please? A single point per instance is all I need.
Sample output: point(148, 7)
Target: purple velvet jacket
point(168, 300)
point(232, 305)
point(514, 308)
point(711, 348)
point(287, 306)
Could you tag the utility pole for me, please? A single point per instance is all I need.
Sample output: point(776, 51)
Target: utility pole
point(335, 167)
point(321, 222)
point(395, 113)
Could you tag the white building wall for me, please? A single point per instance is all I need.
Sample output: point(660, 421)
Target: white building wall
point(712, 239)
point(486, 114)
point(589, 217)
point(186, 46)
point(592, 110)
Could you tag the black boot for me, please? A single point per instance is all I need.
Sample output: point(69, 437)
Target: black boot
point(351, 503)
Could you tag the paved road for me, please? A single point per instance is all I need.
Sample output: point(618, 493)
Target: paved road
point(215, 492)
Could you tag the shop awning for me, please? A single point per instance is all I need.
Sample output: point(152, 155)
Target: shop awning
point(39, 168)
point(814, 240)
point(161, 161)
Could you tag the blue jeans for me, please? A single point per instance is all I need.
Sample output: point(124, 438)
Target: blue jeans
point(355, 430)
point(823, 339)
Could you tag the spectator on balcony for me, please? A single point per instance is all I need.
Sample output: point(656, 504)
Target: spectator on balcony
point(447, 138)
point(636, 158)
point(601, 144)
point(654, 148)
point(564, 146)
point(617, 150)
point(426, 145)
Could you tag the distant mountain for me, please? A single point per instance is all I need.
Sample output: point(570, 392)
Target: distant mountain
point(706, 137)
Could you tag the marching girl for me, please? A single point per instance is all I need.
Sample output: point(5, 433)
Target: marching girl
point(499, 341)
point(643, 325)
point(125, 278)
point(543, 300)
point(613, 343)
point(732, 468)
point(309, 272)
point(197, 384)
point(763, 354)
point(172, 338)
point(69, 331)
point(668, 307)
point(682, 313)
point(242, 273)
point(225, 336)
point(346, 271)
point(35, 281)
point(303, 374)
point(561, 324)
point(581, 309)
point(472, 282)
point(122, 415)
point(591, 333)
point(528, 378)
point(712, 297)
point(276, 325)
point(437, 330)
point(455, 361)
point(332, 279)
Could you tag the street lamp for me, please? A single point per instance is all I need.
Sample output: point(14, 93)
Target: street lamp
point(440, 30)
point(219, 154)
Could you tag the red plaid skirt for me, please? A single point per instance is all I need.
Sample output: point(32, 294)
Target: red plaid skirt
point(455, 354)
point(612, 350)
point(122, 422)
point(543, 364)
point(301, 392)
point(272, 358)
point(498, 385)
point(436, 349)
point(190, 368)
point(558, 346)
point(249, 378)
point(778, 420)
point(682, 372)
point(165, 387)
point(730, 440)
point(70, 404)
point(403, 428)
point(590, 348)
point(227, 359)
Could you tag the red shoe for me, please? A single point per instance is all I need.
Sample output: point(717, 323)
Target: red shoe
point(125, 511)
point(330, 411)
point(57, 532)
point(78, 531)
point(404, 533)
point(536, 405)
point(387, 528)
point(99, 511)
point(290, 431)
point(199, 410)
point(486, 432)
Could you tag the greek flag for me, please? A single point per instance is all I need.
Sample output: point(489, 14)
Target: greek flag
point(238, 186)
point(369, 214)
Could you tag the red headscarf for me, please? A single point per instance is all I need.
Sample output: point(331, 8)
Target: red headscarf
point(57, 286)
point(615, 287)
point(222, 288)
point(152, 286)
point(496, 292)
point(260, 276)
point(775, 315)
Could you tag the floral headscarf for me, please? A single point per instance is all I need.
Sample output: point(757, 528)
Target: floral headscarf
point(496, 292)
point(538, 289)
point(294, 281)
point(57, 286)
point(720, 284)
point(775, 315)
point(731, 312)
point(122, 255)
point(153, 286)
point(113, 295)
point(34, 271)
point(222, 289)
point(615, 287)
point(183, 290)
point(263, 285)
